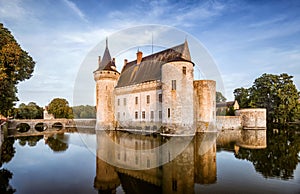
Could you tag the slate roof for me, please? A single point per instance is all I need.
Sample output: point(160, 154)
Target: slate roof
point(225, 104)
point(150, 67)
point(106, 62)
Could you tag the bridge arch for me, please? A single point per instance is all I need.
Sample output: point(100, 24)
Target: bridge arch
point(23, 127)
point(57, 125)
point(40, 127)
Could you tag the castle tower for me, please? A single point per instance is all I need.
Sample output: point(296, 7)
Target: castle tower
point(106, 77)
point(177, 90)
point(205, 104)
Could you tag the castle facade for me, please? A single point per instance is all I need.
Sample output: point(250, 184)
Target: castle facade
point(154, 91)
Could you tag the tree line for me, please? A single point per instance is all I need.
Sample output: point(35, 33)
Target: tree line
point(59, 107)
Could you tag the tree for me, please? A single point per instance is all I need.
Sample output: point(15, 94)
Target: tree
point(30, 111)
point(15, 66)
point(241, 95)
point(276, 93)
point(86, 111)
point(59, 107)
point(220, 97)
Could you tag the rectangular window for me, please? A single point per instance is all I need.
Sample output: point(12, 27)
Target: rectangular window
point(124, 101)
point(152, 115)
point(118, 102)
point(160, 114)
point(136, 115)
point(125, 157)
point(160, 97)
point(173, 84)
point(118, 115)
point(136, 160)
point(143, 115)
point(148, 163)
point(184, 70)
point(148, 99)
point(118, 156)
point(136, 100)
point(169, 113)
point(174, 185)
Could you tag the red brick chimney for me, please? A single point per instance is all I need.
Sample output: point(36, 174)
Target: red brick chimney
point(139, 56)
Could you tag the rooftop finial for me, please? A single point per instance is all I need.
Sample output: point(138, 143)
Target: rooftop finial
point(106, 42)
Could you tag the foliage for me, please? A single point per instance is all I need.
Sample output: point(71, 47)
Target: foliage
point(30, 111)
point(7, 150)
point(242, 97)
point(220, 97)
point(86, 111)
point(276, 93)
point(5, 187)
point(60, 108)
point(29, 140)
point(279, 159)
point(15, 65)
point(230, 111)
point(56, 144)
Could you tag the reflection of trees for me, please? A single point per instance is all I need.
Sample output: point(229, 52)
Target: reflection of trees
point(5, 187)
point(7, 153)
point(56, 144)
point(279, 159)
point(7, 150)
point(30, 140)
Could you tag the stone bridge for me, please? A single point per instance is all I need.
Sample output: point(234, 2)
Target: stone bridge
point(36, 126)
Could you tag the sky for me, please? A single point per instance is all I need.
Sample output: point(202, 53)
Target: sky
point(243, 38)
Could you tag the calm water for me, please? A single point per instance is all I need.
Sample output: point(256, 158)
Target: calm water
point(121, 162)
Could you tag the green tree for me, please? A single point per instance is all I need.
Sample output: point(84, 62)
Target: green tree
point(30, 111)
point(220, 97)
point(277, 93)
point(86, 111)
point(60, 108)
point(241, 95)
point(15, 66)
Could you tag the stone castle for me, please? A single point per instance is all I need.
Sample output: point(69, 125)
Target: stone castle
point(154, 91)
point(158, 92)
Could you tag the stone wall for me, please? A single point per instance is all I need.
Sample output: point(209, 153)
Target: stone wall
point(228, 122)
point(204, 104)
point(178, 102)
point(253, 118)
point(105, 84)
point(133, 99)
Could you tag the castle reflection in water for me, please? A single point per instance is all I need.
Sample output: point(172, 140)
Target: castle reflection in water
point(157, 164)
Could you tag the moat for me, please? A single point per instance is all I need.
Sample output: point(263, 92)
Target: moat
point(251, 161)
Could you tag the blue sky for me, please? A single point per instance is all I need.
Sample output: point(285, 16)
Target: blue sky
point(245, 38)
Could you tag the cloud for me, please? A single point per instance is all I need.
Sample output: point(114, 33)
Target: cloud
point(75, 9)
point(12, 10)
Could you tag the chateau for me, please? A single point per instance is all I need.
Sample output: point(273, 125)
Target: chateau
point(154, 91)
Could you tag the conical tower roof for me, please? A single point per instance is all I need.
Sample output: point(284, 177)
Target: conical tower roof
point(106, 63)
